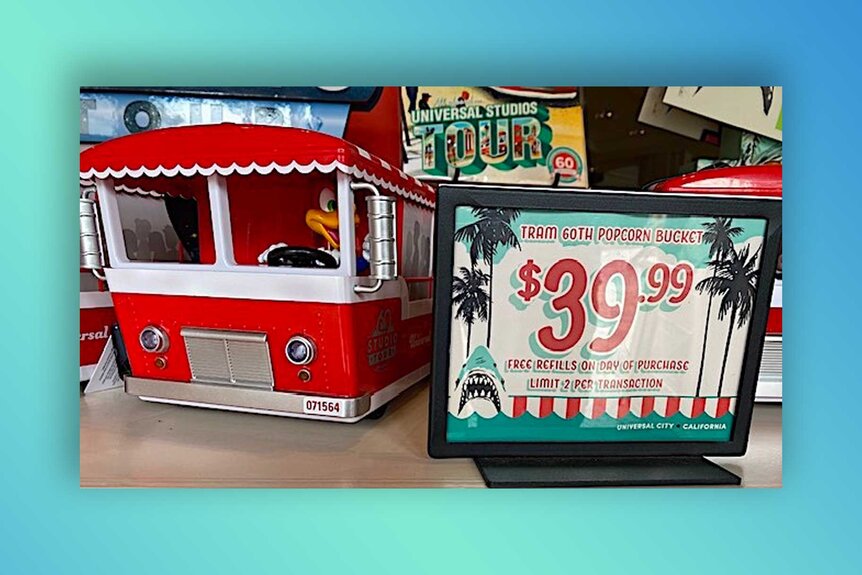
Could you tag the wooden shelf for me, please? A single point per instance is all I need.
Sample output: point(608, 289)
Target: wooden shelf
point(126, 442)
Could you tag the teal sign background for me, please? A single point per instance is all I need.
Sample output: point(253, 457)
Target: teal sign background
point(539, 238)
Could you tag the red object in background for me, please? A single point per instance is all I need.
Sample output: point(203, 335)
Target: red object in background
point(95, 330)
point(760, 181)
point(377, 130)
point(96, 319)
point(773, 322)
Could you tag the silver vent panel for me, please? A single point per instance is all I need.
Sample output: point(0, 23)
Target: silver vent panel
point(770, 361)
point(228, 357)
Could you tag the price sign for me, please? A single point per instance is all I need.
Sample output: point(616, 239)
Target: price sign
point(600, 325)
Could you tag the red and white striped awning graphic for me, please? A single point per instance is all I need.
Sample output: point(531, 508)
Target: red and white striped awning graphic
point(617, 407)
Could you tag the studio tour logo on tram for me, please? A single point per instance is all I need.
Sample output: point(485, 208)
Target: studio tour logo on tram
point(383, 341)
point(470, 138)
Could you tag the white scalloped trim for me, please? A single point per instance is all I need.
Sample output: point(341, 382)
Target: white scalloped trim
point(262, 170)
point(387, 185)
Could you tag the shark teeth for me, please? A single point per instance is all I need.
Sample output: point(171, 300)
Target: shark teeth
point(479, 385)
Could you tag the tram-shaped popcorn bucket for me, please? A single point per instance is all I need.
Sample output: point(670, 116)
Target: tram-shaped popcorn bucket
point(262, 269)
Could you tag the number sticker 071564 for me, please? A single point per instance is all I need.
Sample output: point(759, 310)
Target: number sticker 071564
point(333, 407)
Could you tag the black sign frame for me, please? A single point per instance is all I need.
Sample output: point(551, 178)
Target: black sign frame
point(449, 197)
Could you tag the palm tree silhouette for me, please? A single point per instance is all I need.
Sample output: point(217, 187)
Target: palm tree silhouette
point(491, 230)
point(735, 280)
point(719, 233)
point(468, 293)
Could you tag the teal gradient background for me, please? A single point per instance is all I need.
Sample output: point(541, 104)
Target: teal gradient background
point(49, 49)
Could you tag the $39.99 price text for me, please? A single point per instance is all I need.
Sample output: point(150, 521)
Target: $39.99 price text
point(669, 284)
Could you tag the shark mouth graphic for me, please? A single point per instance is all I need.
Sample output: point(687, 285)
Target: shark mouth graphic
point(479, 384)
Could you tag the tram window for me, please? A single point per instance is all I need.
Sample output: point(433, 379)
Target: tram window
point(416, 250)
point(292, 216)
point(166, 220)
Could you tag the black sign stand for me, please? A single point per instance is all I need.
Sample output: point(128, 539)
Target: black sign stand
point(596, 463)
point(602, 472)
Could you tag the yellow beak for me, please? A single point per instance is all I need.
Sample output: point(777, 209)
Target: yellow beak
point(325, 224)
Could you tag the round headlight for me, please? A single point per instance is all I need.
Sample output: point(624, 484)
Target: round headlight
point(153, 339)
point(299, 350)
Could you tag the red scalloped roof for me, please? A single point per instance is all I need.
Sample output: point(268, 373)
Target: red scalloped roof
point(236, 148)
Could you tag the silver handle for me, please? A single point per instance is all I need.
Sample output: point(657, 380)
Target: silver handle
point(383, 261)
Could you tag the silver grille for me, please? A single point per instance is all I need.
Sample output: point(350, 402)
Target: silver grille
point(228, 357)
point(770, 362)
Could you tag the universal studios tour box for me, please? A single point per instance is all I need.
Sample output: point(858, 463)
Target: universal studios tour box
point(495, 134)
point(598, 338)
